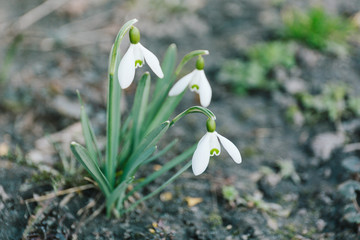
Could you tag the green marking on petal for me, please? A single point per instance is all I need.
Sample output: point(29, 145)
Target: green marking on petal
point(214, 151)
point(138, 63)
point(195, 86)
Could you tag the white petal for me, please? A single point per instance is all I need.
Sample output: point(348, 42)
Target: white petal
point(195, 82)
point(126, 71)
point(180, 85)
point(153, 62)
point(214, 144)
point(205, 90)
point(230, 148)
point(200, 159)
point(138, 56)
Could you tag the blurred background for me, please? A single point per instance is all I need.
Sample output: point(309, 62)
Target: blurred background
point(286, 88)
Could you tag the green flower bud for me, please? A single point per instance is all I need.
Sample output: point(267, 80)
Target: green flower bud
point(210, 125)
point(200, 63)
point(134, 35)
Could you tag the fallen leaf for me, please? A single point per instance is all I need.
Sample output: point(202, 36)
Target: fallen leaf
point(166, 196)
point(157, 167)
point(4, 149)
point(193, 201)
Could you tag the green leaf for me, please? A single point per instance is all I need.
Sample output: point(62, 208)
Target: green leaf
point(166, 110)
point(168, 66)
point(148, 142)
point(183, 169)
point(348, 189)
point(83, 156)
point(188, 57)
point(163, 151)
point(88, 132)
point(169, 165)
point(163, 85)
point(113, 129)
point(117, 193)
point(139, 108)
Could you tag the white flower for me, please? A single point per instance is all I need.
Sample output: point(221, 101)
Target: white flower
point(135, 57)
point(209, 146)
point(196, 81)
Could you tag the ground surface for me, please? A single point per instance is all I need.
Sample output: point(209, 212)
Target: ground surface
point(68, 49)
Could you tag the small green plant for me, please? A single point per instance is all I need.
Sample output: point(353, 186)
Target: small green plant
point(316, 28)
point(131, 144)
point(255, 74)
point(272, 54)
point(230, 193)
point(333, 103)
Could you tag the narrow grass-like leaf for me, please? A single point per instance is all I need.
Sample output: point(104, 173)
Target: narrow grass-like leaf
point(139, 107)
point(140, 159)
point(162, 152)
point(163, 85)
point(168, 66)
point(116, 193)
point(183, 169)
point(169, 165)
point(188, 57)
point(166, 110)
point(113, 129)
point(113, 107)
point(149, 141)
point(88, 132)
point(83, 156)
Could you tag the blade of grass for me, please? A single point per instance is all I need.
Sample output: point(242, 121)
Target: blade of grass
point(88, 132)
point(139, 107)
point(166, 110)
point(163, 85)
point(83, 156)
point(149, 141)
point(183, 169)
point(169, 165)
point(162, 152)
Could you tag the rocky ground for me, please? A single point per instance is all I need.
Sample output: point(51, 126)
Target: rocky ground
point(287, 185)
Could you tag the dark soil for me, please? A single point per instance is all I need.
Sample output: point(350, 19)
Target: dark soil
point(68, 50)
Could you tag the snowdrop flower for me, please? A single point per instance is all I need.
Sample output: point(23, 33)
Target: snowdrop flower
point(209, 146)
point(135, 57)
point(196, 81)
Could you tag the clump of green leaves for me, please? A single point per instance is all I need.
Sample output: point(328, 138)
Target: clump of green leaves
point(317, 29)
point(255, 74)
point(333, 103)
point(131, 142)
point(272, 54)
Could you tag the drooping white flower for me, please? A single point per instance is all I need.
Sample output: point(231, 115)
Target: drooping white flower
point(209, 145)
point(197, 82)
point(135, 57)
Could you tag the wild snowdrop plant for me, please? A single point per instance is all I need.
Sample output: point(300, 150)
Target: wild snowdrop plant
point(131, 141)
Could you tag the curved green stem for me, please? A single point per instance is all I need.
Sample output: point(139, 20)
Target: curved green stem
point(194, 109)
point(188, 57)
